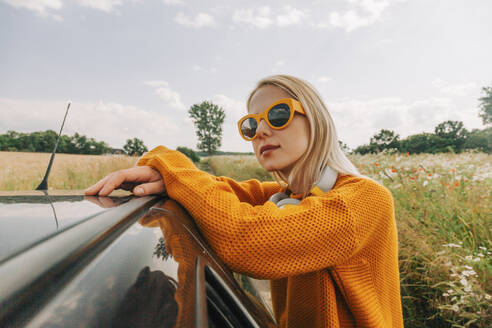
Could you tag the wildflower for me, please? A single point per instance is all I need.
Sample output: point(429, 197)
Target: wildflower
point(452, 245)
point(455, 308)
point(464, 282)
point(482, 248)
point(445, 294)
point(457, 184)
point(468, 273)
point(488, 297)
point(453, 170)
point(425, 183)
point(429, 174)
point(393, 170)
point(412, 178)
point(377, 164)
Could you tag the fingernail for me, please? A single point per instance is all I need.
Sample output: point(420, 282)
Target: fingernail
point(138, 191)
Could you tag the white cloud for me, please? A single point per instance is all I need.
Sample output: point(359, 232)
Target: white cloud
point(103, 5)
point(199, 68)
point(360, 13)
point(200, 20)
point(461, 89)
point(358, 120)
point(104, 121)
point(290, 16)
point(263, 17)
point(259, 17)
point(324, 79)
point(41, 7)
point(156, 83)
point(171, 97)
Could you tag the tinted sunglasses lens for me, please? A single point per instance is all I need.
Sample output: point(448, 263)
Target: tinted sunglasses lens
point(248, 127)
point(279, 115)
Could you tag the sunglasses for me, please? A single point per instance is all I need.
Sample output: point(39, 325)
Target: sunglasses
point(278, 116)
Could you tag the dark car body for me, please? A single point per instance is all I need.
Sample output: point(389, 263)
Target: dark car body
point(71, 260)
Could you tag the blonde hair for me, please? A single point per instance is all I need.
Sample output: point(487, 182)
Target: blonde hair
point(323, 148)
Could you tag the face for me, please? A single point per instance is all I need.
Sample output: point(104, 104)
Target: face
point(278, 150)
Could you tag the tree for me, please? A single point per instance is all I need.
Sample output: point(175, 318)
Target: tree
point(190, 153)
point(134, 147)
point(208, 119)
point(480, 140)
point(453, 133)
point(422, 143)
point(486, 106)
point(385, 139)
point(364, 149)
point(344, 147)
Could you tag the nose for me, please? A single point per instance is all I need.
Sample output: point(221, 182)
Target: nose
point(263, 129)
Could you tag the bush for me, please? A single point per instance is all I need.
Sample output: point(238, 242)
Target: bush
point(190, 153)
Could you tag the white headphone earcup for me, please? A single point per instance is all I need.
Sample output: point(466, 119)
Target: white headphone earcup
point(288, 201)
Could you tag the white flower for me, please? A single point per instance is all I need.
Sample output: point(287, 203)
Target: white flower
point(455, 308)
point(467, 266)
point(452, 245)
point(425, 183)
point(482, 248)
point(488, 297)
point(467, 273)
point(450, 291)
point(464, 282)
point(445, 294)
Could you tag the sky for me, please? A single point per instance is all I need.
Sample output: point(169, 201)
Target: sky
point(133, 68)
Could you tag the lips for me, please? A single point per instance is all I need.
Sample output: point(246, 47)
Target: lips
point(267, 148)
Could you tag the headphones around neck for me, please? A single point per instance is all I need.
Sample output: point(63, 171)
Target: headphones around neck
point(325, 184)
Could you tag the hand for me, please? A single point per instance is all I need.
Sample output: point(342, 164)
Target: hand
point(141, 180)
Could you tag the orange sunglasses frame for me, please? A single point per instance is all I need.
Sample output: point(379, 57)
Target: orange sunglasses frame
point(291, 102)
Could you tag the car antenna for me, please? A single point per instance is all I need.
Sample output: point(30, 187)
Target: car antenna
point(44, 184)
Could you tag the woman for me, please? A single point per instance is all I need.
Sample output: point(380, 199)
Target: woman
point(324, 235)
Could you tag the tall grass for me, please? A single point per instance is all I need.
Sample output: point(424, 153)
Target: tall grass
point(24, 171)
point(443, 211)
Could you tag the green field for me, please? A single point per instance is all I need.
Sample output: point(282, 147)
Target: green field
point(443, 210)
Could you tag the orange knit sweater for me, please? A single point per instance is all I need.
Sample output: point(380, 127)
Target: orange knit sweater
point(332, 260)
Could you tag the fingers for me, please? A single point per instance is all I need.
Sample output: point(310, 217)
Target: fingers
point(127, 179)
point(151, 188)
point(94, 189)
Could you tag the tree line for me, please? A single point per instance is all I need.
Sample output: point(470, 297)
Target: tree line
point(448, 136)
point(44, 142)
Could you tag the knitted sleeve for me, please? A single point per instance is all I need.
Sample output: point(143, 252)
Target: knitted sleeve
point(250, 191)
point(265, 241)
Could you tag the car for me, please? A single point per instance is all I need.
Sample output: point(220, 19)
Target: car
point(124, 261)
